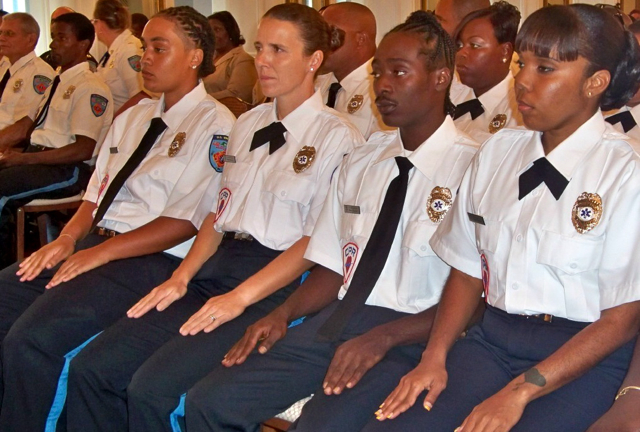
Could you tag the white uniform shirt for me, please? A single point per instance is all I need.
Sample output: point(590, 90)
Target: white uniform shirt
point(30, 77)
point(357, 90)
point(180, 187)
point(633, 132)
point(122, 71)
point(529, 254)
point(413, 276)
point(81, 105)
point(501, 99)
point(261, 194)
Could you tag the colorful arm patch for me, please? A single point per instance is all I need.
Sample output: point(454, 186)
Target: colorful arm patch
point(134, 62)
point(217, 149)
point(41, 83)
point(98, 104)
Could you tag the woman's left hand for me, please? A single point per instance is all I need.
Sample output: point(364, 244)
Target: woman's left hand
point(78, 263)
point(216, 311)
point(499, 413)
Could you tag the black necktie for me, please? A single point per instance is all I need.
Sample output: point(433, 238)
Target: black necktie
point(156, 127)
point(374, 256)
point(42, 115)
point(333, 94)
point(3, 83)
point(542, 171)
point(105, 58)
point(272, 134)
point(624, 118)
point(472, 106)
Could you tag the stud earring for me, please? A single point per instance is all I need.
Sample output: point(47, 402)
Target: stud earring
point(194, 66)
point(589, 94)
point(504, 60)
point(311, 69)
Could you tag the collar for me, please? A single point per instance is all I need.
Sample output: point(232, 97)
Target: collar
point(21, 62)
point(351, 82)
point(120, 40)
point(496, 94)
point(78, 69)
point(177, 113)
point(234, 52)
point(635, 112)
point(298, 120)
point(428, 157)
point(570, 153)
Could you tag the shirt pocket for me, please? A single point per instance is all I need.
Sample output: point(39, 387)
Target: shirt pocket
point(287, 198)
point(416, 238)
point(289, 188)
point(571, 255)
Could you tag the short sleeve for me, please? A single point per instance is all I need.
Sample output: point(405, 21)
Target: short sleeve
point(92, 109)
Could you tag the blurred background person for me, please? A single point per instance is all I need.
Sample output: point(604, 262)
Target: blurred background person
point(235, 73)
point(138, 21)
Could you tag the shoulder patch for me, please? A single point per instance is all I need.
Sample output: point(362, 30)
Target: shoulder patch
point(217, 150)
point(134, 62)
point(41, 83)
point(98, 104)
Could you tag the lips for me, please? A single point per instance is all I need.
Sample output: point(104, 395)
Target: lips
point(146, 74)
point(385, 105)
point(523, 107)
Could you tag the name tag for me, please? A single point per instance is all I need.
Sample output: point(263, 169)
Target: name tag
point(229, 159)
point(351, 209)
point(476, 218)
point(113, 150)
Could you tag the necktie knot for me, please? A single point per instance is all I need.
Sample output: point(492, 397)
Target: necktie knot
point(542, 171)
point(105, 58)
point(272, 134)
point(473, 106)
point(625, 118)
point(157, 126)
point(333, 94)
point(404, 165)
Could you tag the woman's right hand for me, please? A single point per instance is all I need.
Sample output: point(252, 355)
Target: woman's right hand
point(428, 375)
point(47, 257)
point(160, 297)
point(266, 332)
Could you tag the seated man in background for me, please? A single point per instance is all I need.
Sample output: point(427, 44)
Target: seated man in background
point(347, 83)
point(46, 56)
point(76, 115)
point(24, 77)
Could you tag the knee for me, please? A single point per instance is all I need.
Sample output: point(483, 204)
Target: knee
point(88, 366)
point(20, 341)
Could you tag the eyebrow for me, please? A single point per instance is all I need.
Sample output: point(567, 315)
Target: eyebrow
point(159, 38)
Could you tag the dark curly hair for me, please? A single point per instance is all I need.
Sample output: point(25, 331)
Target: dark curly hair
point(316, 34)
point(440, 50)
point(504, 18)
point(230, 25)
point(580, 30)
point(196, 28)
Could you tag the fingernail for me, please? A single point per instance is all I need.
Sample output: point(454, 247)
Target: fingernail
point(428, 406)
point(336, 390)
point(324, 385)
point(390, 415)
point(381, 405)
point(377, 413)
point(458, 429)
point(349, 385)
point(262, 350)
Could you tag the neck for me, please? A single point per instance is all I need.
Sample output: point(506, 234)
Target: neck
point(221, 52)
point(109, 36)
point(173, 97)
point(553, 138)
point(414, 135)
point(15, 58)
point(480, 90)
point(288, 103)
point(343, 71)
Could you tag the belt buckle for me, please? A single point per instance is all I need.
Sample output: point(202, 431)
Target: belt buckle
point(242, 236)
point(543, 317)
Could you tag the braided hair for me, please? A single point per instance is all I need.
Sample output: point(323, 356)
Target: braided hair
point(196, 29)
point(440, 50)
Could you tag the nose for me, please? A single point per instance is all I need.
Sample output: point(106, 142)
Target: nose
point(462, 53)
point(382, 84)
point(522, 80)
point(261, 59)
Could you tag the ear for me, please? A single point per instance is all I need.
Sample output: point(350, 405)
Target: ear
point(196, 58)
point(597, 84)
point(86, 45)
point(315, 61)
point(443, 78)
point(507, 51)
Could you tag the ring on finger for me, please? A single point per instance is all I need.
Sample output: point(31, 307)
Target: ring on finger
point(213, 317)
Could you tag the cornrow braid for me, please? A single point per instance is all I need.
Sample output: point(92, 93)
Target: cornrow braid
point(196, 28)
point(440, 49)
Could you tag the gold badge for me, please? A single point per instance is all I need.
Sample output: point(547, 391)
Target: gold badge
point(586, 212)
point(497, 123)
point(177, 143)
point(17, 85)
point(67, 94)
point(439, 203)
point(111, 64)
point(355, 103)
point(304, 159)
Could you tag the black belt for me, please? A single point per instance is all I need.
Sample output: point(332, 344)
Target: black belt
point(237, 236)
point(104, 232)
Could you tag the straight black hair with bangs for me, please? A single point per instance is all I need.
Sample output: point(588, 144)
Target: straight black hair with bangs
point(565, 33)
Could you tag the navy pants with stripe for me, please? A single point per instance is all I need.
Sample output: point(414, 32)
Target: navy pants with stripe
point(49, 324)
point(100, 375)
point(496, 351)
point(240, 397)
point(21, 184)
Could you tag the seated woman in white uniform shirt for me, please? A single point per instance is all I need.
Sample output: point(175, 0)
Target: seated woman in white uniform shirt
point(153, 185)
point(485, 40)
